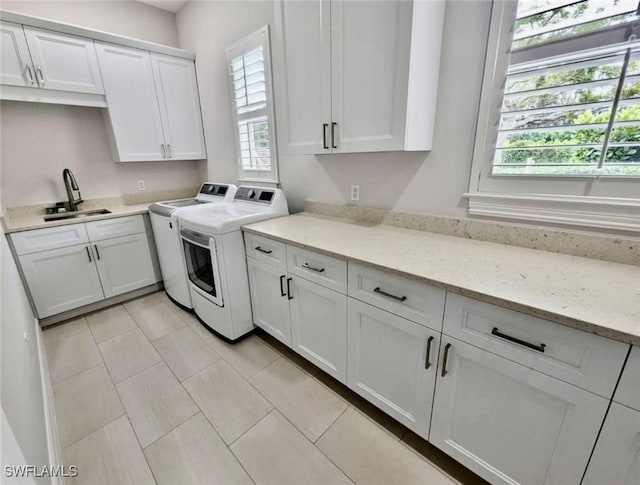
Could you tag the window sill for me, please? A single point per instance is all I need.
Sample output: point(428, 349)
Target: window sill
point(587, 212)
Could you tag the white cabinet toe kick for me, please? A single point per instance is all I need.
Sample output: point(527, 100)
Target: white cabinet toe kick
point(514, 398)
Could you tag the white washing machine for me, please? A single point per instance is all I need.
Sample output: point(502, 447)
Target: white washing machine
point(167, 236)
point(215, 257)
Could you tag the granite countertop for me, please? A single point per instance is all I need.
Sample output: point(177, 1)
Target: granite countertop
point(26, 222)
point(26, 218)
point(588, 294)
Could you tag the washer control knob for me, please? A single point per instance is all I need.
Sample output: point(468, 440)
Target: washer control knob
point(251, 194)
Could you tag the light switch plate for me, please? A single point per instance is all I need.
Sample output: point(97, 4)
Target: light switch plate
point(141, 185)
point(355, 193)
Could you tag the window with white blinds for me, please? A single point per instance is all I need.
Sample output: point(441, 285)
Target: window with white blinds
point(571, 97)
point(558, 134)
point(252, 101)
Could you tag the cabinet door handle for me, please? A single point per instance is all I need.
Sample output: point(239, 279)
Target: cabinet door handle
point(97, 252)
point(515, 340)
point(289, 297)
point(89, 254)
point(265, 251)
point(169, 154)
point(164, 154)
point(41, 76)
point(333, 134)
point(30, 74)
point(427, 360)
point(317, 270)
point(444, 360)
point(324, 136)
point(389, 295)
point(282, 293)
point(171, 225)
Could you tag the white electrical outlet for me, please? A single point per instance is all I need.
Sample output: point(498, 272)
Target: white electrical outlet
point(355, 193)
point(141, 185)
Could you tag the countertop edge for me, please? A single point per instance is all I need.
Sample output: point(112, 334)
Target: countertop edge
point(582, 325)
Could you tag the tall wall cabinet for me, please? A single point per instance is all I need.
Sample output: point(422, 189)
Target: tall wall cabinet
point(356, 76)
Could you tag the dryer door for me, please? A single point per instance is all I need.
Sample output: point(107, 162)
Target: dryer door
point(202, 264)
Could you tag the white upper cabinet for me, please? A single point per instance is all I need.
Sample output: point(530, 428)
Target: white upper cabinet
point(64, 62)
point(15, 63)
point(177, 90)
point(303, 82)
point(357, 76)
point(153, 105)
point(133, 106)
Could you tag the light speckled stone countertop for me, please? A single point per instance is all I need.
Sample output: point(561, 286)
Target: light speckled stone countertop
point(592, 295)
point(27, 222)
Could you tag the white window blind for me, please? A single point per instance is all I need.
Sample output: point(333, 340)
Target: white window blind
point(571, 98)
point(250, 74)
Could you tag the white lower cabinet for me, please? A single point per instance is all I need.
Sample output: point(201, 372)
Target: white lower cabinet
point(616, 458)
point(319, 325)
point(61, 279)
point(392, 363)
point(511, 424)
point(124, 264)
point(268, 299)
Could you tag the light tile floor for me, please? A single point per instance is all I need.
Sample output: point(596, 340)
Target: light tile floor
point(144, 394)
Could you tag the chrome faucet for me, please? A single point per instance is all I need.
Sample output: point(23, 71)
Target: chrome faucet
point(70, 184)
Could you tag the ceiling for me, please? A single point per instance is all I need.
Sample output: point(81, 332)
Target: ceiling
point(169, 5)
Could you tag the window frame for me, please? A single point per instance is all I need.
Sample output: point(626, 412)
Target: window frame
point(260, 37)
point(556, 199)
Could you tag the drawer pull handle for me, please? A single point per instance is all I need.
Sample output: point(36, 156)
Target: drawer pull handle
point(427, 360)
point(389, 295)
point(97, 252)
point(265, 251)
point(282, 293)
point(317, 270)
point(444, 360)
point(289, 297)
point(89, 254)
point(498, 333)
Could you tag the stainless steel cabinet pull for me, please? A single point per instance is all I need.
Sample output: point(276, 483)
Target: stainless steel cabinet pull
point(41, 76)
point(324, 135)
point(444, 360)
point(282, 293)
point(89, 254)
point(97, 252)
point(30, 74)
point(164, 155)
point(169, 154)
point(389, 295)
point(515, 340)
point(427, 360)
point(317, 270)
point(289, 297)
point(265, 251)
point(333, 135)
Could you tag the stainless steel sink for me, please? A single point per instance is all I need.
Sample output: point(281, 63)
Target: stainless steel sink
point(75, 215)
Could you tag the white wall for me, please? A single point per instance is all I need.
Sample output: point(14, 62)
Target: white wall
point(39, 140)
point(21, 392)
point(129, 18)
point(418, 182)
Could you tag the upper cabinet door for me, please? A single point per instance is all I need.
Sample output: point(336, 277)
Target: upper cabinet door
point(133, 104)
point(64, 62)
point(302, 61)
point(177, 90)
point(370, 45)
point(15, 63)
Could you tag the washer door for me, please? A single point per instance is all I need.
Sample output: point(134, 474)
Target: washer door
point(202, 265)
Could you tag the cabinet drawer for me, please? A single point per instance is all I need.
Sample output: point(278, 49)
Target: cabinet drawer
point(319, 268)
point(410, 299)
point(267, 250)
point(628, 392)
point(50, 238)
point(118, 226)
point(580, 358)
